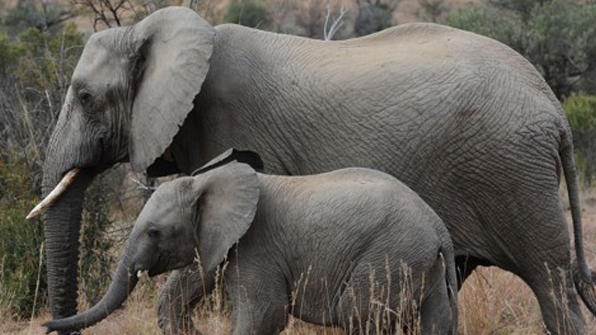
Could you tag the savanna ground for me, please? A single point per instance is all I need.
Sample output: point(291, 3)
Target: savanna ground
point(492, 301)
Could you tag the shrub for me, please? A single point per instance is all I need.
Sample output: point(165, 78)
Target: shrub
point(20, 245)
point(35, 69)
point(557, 36)
point(96, 258)
point(247, 13)
point(373, 16)
point(580, 110)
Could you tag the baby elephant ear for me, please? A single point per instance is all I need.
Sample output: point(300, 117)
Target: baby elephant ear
point(171, 48)
point(242, 156)
point(226, 203)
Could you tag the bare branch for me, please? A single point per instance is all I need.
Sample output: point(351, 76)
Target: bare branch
point(337, 22)
point(109, 12)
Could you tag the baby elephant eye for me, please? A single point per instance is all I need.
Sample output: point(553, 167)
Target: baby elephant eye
point(153, 233)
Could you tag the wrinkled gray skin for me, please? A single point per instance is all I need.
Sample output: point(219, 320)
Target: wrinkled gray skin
point(322, 239)
point(463, 120)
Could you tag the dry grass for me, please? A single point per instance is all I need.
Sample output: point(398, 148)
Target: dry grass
point(492, 302)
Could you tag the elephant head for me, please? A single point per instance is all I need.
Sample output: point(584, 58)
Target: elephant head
point(205, 214)
point(130, 92)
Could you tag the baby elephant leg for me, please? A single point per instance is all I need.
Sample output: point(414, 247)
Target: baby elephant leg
point(183, 290)
point(436, 313)
point(259, 306)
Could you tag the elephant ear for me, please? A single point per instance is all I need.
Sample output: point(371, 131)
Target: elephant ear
point(172, 51)
point(226, 202)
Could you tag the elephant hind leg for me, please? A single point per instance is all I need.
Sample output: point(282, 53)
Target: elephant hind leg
point(539, 251)
point(558, 302)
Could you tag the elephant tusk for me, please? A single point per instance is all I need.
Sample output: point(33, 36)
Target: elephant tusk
point(68, 178)
point(140, 273)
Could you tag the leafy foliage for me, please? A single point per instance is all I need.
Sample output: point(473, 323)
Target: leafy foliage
point(580, 110)
point(35, 74)
point(432, 10)
point(20, 245)
point(557, 36)
point(46, 16)
point(374, 15)
point(247, 13)
point(35, 71)
point(95, 258)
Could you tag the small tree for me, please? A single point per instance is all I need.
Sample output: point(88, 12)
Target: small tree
point(116, 13)
point(374, 15)
point(45, 15)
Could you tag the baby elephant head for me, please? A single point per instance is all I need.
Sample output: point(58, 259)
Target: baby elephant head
point(204, 215)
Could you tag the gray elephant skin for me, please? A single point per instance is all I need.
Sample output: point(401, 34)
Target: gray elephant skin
point(461, 119)
point(327, 248)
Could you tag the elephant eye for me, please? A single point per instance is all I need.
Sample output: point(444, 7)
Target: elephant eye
point(85, 98)
point(153, 233)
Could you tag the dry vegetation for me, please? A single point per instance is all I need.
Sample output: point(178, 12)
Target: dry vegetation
point(492, 302)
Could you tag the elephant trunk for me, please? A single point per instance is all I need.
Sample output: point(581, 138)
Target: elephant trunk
point(62, 224)
point(123, 283)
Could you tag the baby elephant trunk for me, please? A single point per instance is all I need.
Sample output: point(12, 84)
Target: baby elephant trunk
point(123, 283)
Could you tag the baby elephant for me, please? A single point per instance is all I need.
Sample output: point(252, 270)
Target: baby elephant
point(354, 248)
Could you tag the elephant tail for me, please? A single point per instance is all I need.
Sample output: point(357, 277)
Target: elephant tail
point(584, 278)
point(448, 255)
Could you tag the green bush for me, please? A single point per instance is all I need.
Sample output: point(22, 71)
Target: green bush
point(46, 60)
point(35, 68)
point(557, 36)
point(247, 13)
point(374, 16)
point(96, 255)
point(20, 245)
point(580, 110)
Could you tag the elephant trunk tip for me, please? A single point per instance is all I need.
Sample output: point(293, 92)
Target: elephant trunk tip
point(55, 325)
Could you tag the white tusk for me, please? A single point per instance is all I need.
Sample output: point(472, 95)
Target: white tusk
point(68, 178)
point(140, 273)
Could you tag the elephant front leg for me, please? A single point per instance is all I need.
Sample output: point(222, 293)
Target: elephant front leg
point(259, 306)
point(181, 293)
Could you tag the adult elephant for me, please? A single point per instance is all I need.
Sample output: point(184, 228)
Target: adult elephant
point(463, 120)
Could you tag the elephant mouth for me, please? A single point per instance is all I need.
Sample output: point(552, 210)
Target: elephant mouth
point(162, 262)
point(141, 272)
point(154, 268)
